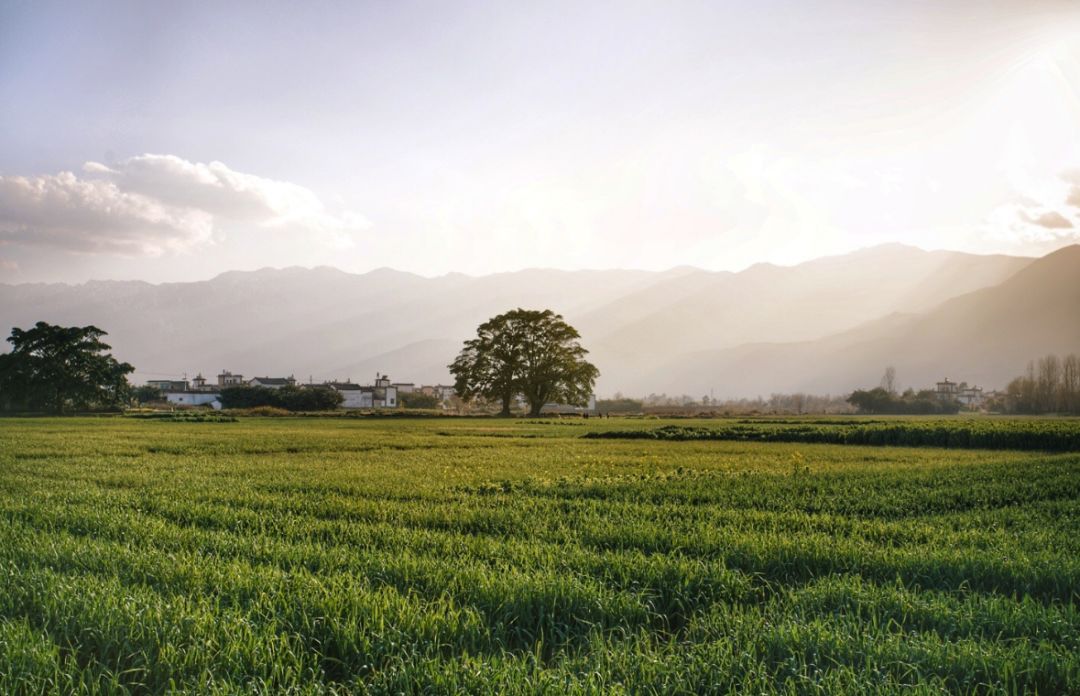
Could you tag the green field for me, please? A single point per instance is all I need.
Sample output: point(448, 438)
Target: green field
point(323, 555)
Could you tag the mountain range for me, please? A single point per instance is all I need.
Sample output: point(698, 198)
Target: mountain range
point(824, 326)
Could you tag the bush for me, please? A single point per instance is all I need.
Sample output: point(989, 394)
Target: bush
point(270, 411)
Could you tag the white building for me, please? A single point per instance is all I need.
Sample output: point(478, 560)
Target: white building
point(352, 394)
point(972, 397)
point(194, 398)
point(382, 394)
point(228, 379)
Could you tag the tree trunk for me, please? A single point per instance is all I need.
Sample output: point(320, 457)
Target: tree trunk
point(505, 412)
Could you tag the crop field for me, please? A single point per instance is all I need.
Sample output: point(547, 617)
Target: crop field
point(440, 555)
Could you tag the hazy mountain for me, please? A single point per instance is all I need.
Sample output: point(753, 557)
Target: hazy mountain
point(674, 331)
point(984, 337)
point(708, 311)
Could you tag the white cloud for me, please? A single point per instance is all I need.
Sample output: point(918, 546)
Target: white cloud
point(1072, 177)
point(91, 215)
point(152, 204)
point(1042, 213)
point(1051, 220)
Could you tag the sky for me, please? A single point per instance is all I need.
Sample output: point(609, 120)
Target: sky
point(175, 141)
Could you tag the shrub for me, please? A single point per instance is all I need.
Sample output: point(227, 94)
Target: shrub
point(261, 411)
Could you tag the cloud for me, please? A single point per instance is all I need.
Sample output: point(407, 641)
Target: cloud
point(1052, 220)
point(9, 265)
point(1072, 177)
point(1036, 216)
point(152, 204)
point(91, 215)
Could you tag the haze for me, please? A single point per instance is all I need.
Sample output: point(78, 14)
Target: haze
point(173, 142)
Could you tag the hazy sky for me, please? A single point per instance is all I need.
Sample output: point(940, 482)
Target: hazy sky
point(172, 141)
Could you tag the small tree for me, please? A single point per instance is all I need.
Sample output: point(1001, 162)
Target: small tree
point(875, 400)
point(532, 353)
point(57, 368)
point(888, 380)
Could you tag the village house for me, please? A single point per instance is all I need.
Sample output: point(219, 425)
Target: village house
point(947, 390)
point(382, 394)
point(228, 379)
point(353, 395)
point(969, 396)
point(972, 397)
point(181, 393)
point(441, 392)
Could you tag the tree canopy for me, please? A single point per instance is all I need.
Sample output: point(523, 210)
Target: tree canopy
point(531, 353)
point(61, 368)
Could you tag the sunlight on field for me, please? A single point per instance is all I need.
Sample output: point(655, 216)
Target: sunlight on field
point(493, 556)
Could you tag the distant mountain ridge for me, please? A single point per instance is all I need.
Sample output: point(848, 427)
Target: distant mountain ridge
point(824, 326)
point(985, 337)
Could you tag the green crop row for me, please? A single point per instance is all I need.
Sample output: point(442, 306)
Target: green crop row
point(1050, 435)
point(319, 556)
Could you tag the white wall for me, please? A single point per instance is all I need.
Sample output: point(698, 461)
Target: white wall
point(354, 398)
point(192, 398)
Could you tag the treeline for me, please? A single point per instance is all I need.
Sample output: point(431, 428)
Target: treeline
point(289, 398)
point(619, 404)
point(880, 400)
point(1050, 385)
point(797, 403)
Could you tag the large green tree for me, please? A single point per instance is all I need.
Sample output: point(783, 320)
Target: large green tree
point(60, 368)
point(531, 353)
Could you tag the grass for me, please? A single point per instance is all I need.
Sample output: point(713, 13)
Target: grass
point(310, 555)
